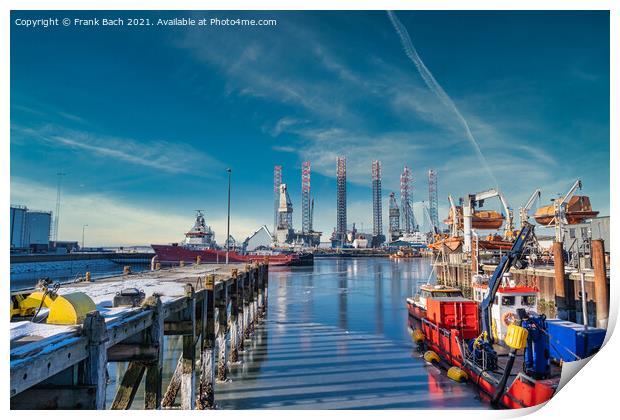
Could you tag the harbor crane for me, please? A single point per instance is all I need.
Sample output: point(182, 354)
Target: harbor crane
point(524, 214)
point(469, 206)
point(559, 209)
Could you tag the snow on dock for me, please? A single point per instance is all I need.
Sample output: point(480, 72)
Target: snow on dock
point(198, 302)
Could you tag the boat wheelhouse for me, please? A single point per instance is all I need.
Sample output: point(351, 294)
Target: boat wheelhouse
point(509, 299)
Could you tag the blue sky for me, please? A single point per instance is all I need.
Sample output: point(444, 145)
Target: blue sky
point(144, 121)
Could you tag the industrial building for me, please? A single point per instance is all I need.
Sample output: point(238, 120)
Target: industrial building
point(30, 229)
point(578, 240)
point(258, 240)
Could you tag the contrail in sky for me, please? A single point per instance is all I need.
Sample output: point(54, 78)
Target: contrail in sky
point(436, 88)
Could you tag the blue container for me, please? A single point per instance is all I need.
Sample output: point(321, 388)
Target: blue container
point(567, 339)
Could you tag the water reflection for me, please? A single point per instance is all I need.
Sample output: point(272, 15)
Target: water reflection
point(336, 338)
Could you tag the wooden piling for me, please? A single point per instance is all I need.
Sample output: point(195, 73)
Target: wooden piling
point(221, 325)
point(247, 307)
point(234, 312)
point(94, 372)
point(189, 353)
point(559, 274)
point(154, 370)
point(206, 390)
point(601, 291)
point(240, 311)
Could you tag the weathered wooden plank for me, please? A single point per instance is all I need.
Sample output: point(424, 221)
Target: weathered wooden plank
point(174, 306)
point(178, 328)
point(133, 352)
point(49, 361)
point(35, 347)
point(56, 397)
point(129, 386)
point(126, 326)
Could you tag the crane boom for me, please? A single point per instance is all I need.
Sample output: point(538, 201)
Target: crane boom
point(468, 213)
point(524, 211)
point(559, 207)
point(513, 257)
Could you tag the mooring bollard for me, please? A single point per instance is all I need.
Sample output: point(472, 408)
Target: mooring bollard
point(127, 270)
point(87, 276)
point(198, 259)
point(181, 263)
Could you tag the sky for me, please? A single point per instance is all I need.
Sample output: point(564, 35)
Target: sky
point(144, 121)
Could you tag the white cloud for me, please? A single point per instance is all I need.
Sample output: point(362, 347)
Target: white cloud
point(114, 222)
point(172, 157)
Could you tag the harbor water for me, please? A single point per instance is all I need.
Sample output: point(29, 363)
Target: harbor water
point(335, 337)
point(26, 275)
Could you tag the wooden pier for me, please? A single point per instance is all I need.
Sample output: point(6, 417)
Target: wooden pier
point(65, 367)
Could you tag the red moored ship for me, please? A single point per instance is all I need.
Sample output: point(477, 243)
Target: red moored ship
point(481, 340)
point(199, 245)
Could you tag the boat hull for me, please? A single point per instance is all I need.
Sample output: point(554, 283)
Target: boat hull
point(522, 392)
point(172, 254)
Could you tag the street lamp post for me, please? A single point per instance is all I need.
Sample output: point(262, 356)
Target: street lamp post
point(83, 229)
point(228, 219)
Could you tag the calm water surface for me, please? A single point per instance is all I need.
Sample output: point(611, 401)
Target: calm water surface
point(335, 337)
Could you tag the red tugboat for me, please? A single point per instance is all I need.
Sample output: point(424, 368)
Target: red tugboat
point(417, 305)
point(199, 245)
point(457, 333)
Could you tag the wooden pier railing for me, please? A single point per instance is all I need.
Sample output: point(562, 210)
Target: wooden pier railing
point(67, 370)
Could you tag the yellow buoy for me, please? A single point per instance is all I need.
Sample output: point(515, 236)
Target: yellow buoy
point(516, 337)
point(457, 374)
point(70, 309)
point(431, 357)
point(417, 336)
